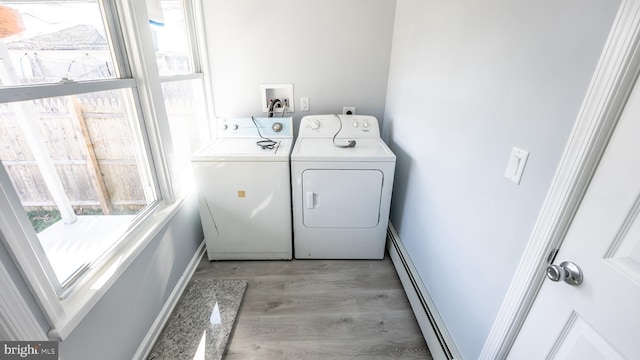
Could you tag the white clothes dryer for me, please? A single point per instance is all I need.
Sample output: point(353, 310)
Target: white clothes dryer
point(244, 189)
point(342, 177)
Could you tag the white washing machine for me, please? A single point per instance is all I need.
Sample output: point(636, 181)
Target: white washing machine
point(342, 176)
point(244, 189)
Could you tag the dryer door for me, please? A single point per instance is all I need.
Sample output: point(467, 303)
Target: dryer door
point(335, 198)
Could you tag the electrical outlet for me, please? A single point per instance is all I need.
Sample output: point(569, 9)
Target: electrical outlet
point(349, 110)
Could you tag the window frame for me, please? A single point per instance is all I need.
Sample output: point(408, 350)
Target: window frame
point(129, 29)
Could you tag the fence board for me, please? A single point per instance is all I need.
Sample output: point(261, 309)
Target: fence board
point(28, 182)
point(92, 163)
point(124, 182)
point(12, 143)
point(76, 182)
point(64, 139)
point(111, 138)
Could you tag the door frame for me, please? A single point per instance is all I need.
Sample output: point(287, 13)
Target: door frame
point(610, 86)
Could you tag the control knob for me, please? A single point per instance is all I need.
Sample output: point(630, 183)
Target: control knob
point(315, 124)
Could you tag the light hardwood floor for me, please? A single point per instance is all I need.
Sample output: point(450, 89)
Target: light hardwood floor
point(320, 309)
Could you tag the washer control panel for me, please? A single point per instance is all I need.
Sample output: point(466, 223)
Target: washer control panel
point(347, 126)
point(269, 127)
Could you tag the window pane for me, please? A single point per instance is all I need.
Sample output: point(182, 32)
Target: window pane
point(188, 121)
point(185, 104)
point(170, 37)
point(79, 167)
point(60, 39)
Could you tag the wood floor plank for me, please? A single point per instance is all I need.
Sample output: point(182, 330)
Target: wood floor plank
point(341, 327)
point(320, 309)
point(282, 303)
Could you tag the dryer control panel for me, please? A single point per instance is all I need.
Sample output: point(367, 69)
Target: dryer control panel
point(346, 126)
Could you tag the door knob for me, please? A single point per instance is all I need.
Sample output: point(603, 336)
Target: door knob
point(567, 271)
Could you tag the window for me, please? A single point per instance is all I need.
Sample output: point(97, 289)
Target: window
point(90, 150)
point(78, 165)
point(182, 87)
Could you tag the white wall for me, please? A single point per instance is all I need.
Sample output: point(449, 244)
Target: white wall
point(468, 81)
point(118, 323)
point(336, 52)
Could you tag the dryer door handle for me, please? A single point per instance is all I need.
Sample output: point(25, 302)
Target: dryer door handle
point(310, 198)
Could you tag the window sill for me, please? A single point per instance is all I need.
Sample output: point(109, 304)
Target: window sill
point(90, 289)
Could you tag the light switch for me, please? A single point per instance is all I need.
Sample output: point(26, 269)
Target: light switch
point(515, 166)
point(304, 103)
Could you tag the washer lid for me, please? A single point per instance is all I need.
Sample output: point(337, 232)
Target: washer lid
point(243, 150)
point(322, 149)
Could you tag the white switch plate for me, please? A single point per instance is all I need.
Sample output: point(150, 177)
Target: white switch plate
point(304, 103)
point(515, 165)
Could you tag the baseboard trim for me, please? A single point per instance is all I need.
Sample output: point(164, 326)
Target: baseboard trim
point(156, 328)
point(435, 333)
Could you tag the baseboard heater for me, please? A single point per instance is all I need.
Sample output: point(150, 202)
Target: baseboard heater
point(435, 333)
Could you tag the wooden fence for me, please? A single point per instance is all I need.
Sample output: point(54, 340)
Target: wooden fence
point(90, 141)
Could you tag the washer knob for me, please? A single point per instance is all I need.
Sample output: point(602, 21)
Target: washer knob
point(277, 127)
point(355, 124)
point(365, 124)
point(235, 127)
point(225, 127)
point(315, 124)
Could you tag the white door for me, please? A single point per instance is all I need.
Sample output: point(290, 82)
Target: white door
point(341, 198)
point(600, 318)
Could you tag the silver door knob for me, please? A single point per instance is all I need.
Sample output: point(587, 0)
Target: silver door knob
point(567, 271)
